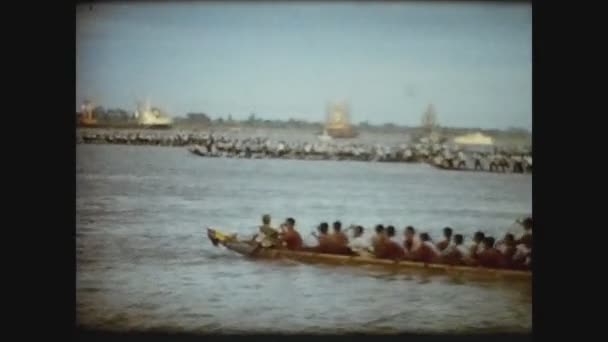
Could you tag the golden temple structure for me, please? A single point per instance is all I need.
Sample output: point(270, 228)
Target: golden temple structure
point(338, 121)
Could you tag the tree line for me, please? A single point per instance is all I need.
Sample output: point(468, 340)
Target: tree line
point(428, 123)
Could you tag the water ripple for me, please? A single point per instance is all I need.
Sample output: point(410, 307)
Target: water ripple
point(143, 261)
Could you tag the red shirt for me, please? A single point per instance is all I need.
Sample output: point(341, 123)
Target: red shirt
point(292, 239)
point(492, 258)
point(340, 238)
point(327, 244)
point(425, 254)
point(393, 250)
point(379, 245)
point(386, 248)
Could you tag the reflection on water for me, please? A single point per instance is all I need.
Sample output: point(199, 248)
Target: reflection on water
point(144, 262)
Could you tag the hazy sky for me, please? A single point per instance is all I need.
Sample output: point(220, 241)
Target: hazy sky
point(387, 60)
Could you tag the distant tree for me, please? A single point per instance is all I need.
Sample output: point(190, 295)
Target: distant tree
point(364, 124)
point(117, 114)
point(99, 112)
point(230, 118)
point(200, 118)
point(517, 130)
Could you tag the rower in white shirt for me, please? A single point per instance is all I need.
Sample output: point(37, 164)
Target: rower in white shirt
point(477, 245)
point(358, 243)
point(412, 241)
point(457, 252)
point(447, 233)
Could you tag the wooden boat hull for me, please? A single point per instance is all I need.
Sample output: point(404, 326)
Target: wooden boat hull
point(252, 250)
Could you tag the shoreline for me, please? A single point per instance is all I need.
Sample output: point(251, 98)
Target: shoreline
point(304, 145)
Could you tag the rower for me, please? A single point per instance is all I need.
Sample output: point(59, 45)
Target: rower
point(477, 245)
point(522, 257)
point(325, 243)
point(459, 243)
point(490, 256)
point(390, 233)
point(321, 229)
point(526, 239)
point(391, 249)
point(290, 237)
point(358, 243)
point(455, 253)
point(338, 236)
point(411, 243)
point(378, 241)
point(507, 247)
point(268, 236)
point(447, 233)
point(427, 252)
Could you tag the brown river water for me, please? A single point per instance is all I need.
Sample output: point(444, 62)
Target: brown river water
point(144, 262)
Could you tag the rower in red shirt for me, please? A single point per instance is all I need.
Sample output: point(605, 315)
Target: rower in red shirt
point(427, 252)
point(392, 250)
point(290, 237)
point(490, 256)
point(338, 237)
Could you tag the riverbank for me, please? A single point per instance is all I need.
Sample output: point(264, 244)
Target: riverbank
point(301, 144)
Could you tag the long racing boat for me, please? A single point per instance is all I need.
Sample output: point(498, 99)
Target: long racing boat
point(252, 250)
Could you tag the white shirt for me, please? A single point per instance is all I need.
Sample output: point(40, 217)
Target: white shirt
point(396, 240)
point(358, 243)
point(529, 232)
point(502, 248)
point(450, 243)
point(464, 251)
point(263, 240)
point(432, 247)
point(448, 250)
point(480, 247)
point(521, 251)
point(452, 248)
